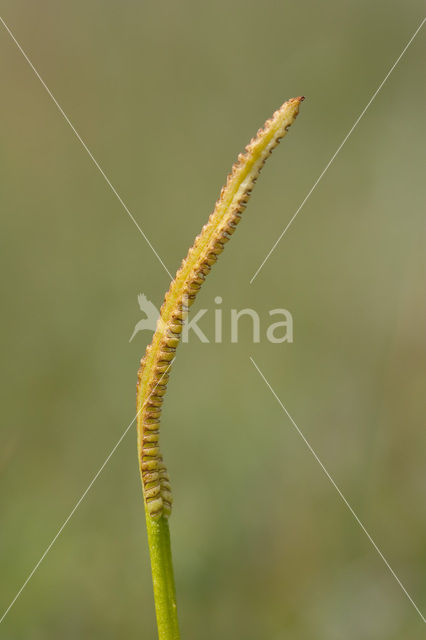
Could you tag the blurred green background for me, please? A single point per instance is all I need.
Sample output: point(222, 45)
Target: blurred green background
point(166, 95)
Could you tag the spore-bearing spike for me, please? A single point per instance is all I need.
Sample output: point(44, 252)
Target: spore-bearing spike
point(153, 374)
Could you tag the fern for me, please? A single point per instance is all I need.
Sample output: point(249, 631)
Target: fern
point(155, 366)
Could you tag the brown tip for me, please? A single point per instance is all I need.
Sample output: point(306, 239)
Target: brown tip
point(299, 99)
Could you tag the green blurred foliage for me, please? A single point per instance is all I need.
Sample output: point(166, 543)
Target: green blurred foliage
point(166, 95)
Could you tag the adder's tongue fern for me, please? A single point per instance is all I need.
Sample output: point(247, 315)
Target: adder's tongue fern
point(155, 366)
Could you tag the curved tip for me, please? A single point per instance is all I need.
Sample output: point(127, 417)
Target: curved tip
point(289, 110)
point(298, 99)
point(292, 103)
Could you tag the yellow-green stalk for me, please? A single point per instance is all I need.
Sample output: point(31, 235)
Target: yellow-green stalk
point(155, 366)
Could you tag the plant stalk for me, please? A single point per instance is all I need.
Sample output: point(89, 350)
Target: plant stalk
point(153, 373)
point(162, 577)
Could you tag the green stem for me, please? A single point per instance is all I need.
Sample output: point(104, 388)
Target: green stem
point(162, 577)
point(153, 373)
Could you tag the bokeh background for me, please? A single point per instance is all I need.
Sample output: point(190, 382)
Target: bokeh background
point(166, 95)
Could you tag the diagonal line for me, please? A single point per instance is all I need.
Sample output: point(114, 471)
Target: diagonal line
point(318, 180)
point(86, 148)
point(338, 491)
point(80, 500)
point(77, 504)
